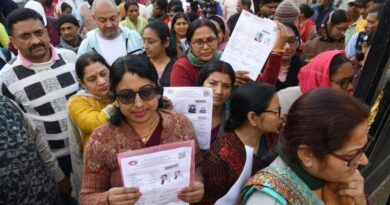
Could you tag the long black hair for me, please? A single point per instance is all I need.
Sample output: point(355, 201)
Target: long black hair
point(250, 97)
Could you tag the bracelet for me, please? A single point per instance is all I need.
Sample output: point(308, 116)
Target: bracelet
point(278, 50)
point(276, 53)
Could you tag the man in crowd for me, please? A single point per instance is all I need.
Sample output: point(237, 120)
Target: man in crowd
point(244, 5)
point(354, 14)
point(40, 80)
point(364, 6)
point(321, 12)
point(69, 30)
point(266, 8)
point(110, 40)
point(354, 47)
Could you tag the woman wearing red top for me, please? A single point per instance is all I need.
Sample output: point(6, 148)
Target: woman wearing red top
point(202, 37)
point(306, 26)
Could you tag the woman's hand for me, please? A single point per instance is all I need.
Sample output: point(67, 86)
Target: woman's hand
point(192, 194)
point(167, 103)
point(354, 188)
point(282, 37)
point(122, 196)
point(241, 78)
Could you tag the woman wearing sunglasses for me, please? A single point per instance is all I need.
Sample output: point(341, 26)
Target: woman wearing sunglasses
point(328, 69)
point(321, 147)
point(249, 136)
point(136, 123)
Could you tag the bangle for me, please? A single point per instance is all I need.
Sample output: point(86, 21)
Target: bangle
point(276, 53)
point(278, 50)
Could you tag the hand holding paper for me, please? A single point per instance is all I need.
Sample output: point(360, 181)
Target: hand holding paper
point(192, 194)
point(121, 195)
point(241, 77)
point(282, 36)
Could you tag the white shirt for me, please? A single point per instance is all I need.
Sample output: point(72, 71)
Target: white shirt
point(111, 49)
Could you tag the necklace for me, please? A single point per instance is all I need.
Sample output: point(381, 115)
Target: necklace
point(146, 137)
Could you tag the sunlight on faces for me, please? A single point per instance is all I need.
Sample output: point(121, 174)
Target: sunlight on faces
point(107, 19)
point(152, 43)
point(140, 111)
point(31, 39)
point(206, 52)
point(332, 169)
point(344, 72)
point(96, 79)
point(221, 85)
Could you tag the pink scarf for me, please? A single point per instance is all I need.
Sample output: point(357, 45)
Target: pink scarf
point(316, 72)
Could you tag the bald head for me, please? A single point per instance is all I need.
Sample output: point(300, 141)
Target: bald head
point(103, 3)
point(106, 17)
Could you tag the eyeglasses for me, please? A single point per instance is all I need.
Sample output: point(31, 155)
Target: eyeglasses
point(353, 159)
point(150, 41)
point(211, 41)
point(146, 93)
point(345, 81)
point(277, 111)
point(293, 41)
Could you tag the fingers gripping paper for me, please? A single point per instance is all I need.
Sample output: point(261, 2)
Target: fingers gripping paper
point(160, 172)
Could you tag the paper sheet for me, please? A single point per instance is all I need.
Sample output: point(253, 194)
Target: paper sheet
point(250, 44)
point(159, 172)
point(197, 104)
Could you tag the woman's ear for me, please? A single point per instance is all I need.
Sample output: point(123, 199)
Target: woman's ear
point(252, 118)
point(306, 156)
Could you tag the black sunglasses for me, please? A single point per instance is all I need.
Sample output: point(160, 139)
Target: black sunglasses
point(146, 93)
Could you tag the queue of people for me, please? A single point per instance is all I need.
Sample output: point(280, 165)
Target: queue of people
point(84, 82)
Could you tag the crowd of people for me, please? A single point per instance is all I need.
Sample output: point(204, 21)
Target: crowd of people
point(82, 81)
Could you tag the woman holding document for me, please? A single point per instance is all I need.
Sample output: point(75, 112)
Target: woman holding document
point(137, 123)
point(220, 77)
point(236, 155)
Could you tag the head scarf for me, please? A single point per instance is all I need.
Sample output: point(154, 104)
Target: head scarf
point(38, 8)
point(316, 72)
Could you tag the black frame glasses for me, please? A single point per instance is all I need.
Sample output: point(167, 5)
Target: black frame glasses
point(277, 111)
point(345, 81)
point(210, 41)
point(127, 96)
point(353, 159)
